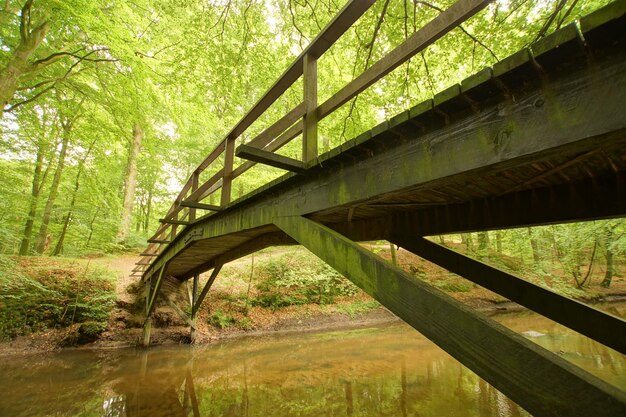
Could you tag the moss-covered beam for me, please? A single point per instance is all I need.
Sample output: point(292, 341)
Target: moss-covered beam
point(589, 321)
point(535, 378)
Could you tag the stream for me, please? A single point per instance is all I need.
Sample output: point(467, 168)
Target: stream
point(384, 371)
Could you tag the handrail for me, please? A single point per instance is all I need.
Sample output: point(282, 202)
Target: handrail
point(303, 118)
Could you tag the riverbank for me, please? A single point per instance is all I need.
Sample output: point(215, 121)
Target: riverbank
point(280, 291)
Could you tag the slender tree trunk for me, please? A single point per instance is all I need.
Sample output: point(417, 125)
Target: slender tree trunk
point(608, 275)
point(34, 200)
point(535, 247)
point(483, 240)
point(130, 183)
point(146, 220)
point(499, 241)
point(93, 219)
point(54, 189)
point(58, 249)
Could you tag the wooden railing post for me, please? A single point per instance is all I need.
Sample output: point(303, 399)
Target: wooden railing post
point(195, 177)
point(229, 156)
point(309, 133)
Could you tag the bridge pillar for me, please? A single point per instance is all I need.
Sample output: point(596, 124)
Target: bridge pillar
point(194, 299)
point(147, 324)
point(535, 378)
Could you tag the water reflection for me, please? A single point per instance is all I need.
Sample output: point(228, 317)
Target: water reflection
point(388, 371)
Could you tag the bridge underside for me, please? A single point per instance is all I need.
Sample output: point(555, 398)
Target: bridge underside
point(540, 138)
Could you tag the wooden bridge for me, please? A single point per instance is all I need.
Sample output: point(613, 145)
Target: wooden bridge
point(539, 138)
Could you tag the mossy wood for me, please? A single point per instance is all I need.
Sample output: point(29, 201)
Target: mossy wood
point(537, 379)
point(593, 323)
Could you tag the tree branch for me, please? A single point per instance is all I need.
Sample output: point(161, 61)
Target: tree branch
point(472, 37)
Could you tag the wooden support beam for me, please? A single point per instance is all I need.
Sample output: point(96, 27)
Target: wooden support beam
point(274, 145)
point(181, 313)
point(194, 299)
point(309, 138)
point(271, 159)
point(195, 182)
point(269, 134)
point(205, 290)
point(227, 178)
point(205, 189)
point(152, 297)
point(420, 40)
point(593, 323)
point(201, 206)
point(148, 254)
point(535, 378)
point(159, 241)
point(175, 222)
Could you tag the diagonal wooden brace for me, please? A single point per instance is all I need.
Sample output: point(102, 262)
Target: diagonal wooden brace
point(535, 378)
point(593, 323)
point(205, 290)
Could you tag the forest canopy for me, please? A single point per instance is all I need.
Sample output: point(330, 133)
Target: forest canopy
point(108, 106)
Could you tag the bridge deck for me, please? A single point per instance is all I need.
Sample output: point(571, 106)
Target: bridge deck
point(538, 138)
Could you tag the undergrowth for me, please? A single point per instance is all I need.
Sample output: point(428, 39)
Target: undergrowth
point(42, 293)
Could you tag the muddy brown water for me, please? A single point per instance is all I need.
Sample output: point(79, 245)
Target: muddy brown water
point(384, 371)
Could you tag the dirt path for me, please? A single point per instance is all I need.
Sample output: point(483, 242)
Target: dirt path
point(123, 265)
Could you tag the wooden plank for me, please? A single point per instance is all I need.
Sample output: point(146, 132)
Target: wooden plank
point(420, 40)
point(215, 153)
point(203, 190)
point(175, 222)
point(181, 313)
point(602, 327)
point(155, 292)
point(205, 290)
point(276, 144)
point(195, 179)
point(540, 381)
point(271, 159)
point(309, 137)
point(159, 241)
point(269, 134)
point(227, 177)
point(148, 254)
point(200, 206)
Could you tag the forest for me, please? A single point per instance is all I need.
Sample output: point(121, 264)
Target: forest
point(108, 107)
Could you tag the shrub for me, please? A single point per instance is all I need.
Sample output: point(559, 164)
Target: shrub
point(303, 281)
point(41, 293)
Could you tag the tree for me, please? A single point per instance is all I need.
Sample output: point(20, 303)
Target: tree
point(130, 183)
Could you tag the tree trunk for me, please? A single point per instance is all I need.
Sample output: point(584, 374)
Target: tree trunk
point(18, 63)
point(93, 219)
point(146, 221)
point(130, 183)
point(54, 189)
point(535, 247)
point(483, 240)
point(499, 241)
point(608, 275)
point(58, 249)
point(34, 200)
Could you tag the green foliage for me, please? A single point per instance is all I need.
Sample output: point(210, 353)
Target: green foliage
point(357, 307)
point(296, 281)
point(36, 296)
point(221, 319)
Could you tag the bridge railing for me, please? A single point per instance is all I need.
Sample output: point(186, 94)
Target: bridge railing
point(302, 120)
